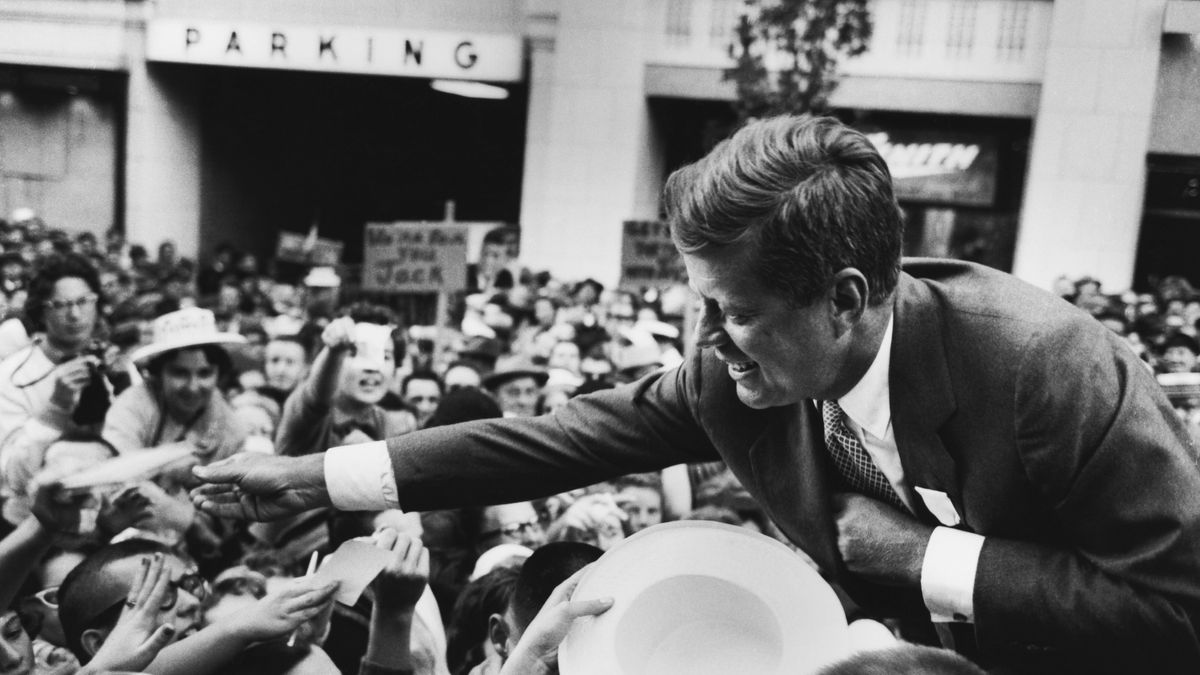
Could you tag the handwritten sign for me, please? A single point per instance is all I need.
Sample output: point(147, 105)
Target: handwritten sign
point(648, 258)
point(294, 247)
point(415, 257)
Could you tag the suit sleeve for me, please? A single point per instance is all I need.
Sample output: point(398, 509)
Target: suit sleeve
point(645, 426)
point(1121, 590)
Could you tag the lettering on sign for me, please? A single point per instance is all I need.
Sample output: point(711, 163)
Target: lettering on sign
point(415, 257)
point(419, 53)
point(648, 257)
point(933, 167)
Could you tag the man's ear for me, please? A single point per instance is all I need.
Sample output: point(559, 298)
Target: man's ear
point(498, 635)
point(92, 639)
point(849, 295)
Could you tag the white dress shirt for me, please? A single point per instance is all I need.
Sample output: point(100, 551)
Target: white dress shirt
point(948, 570)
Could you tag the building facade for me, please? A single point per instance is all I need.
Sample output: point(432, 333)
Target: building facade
point(1041, 137)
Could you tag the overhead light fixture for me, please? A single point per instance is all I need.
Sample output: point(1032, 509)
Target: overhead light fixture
point(470, 89)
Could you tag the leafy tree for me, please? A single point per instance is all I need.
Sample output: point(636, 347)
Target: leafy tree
point(787, 51)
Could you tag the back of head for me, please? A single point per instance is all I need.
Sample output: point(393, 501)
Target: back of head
point(808, 195)
point(87, 593)
point(463, 405)
point(543, 571)
point(905, 659)
point(467, 630)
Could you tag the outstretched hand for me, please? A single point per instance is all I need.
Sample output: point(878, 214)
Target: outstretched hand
point(261, 487)
point(537, 652)
point(143, 630)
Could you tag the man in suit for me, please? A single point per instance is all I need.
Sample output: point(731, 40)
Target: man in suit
point(954, 448)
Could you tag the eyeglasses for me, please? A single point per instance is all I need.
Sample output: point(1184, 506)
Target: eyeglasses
point(48, 597)
point(192, 583)
point(82, 302)
point(515, 530)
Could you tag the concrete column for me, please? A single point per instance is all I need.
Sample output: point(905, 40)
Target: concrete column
point(591, 157)
point(162, 158)
point(1084, 193)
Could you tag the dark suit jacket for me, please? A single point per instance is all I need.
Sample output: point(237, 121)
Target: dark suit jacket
point(1047, 433)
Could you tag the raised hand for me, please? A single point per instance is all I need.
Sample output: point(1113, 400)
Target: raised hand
point(400, 585)
point(537, 652)
point(261, 487)
point(143, 630)
point(284, 610)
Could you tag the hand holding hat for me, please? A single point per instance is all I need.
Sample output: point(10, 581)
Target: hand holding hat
point(537, 652)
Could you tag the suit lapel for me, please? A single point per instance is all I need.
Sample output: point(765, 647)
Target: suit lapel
point(790, 470)
point(921, 395)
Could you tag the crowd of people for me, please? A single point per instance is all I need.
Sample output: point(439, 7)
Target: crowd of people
point(109, 352)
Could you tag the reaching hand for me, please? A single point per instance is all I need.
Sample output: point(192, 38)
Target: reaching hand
point(284, 610)
point(260, 487)
point(537, 652)
point(878, 541)
point(127, 508)
point(143, 630)
point(57, 510)
point(400, 585)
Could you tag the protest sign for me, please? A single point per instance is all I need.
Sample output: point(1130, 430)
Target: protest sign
point(415, 257)
point(298, 248)
point(648, 258)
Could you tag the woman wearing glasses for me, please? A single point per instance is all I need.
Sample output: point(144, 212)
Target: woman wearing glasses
point(42, 385)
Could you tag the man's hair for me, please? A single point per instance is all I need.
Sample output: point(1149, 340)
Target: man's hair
point(422, 375)
point(904, 659)
point(809, 195)
point(85, 596)
point(468, 627)
point(543, 571)
point(651, 480)
point(47, 274)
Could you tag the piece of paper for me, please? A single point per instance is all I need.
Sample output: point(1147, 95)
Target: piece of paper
point(354, 565)
point(940, 506)
point(372, 345)
point(128, 468)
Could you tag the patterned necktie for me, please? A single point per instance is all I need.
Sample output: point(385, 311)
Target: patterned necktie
point(853, 463)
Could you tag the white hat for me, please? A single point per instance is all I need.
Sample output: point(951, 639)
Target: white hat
point(322, 277)
point(635, 348)
point(698, 598)
point(189, 327)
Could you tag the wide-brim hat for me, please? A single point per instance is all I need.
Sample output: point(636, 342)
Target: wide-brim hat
point(190, 327)
point(509, 368)
point(704, 598)
point(1180, 387)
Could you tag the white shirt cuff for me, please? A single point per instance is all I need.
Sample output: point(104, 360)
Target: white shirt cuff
point(948, 574)
point(359, 477)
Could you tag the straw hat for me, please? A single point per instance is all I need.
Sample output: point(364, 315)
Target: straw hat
point(698, 598)
point(191, 327)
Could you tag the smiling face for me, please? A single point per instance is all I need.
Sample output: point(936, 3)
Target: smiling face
point(366, 383)
point(775, 351)
point(188, 381)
